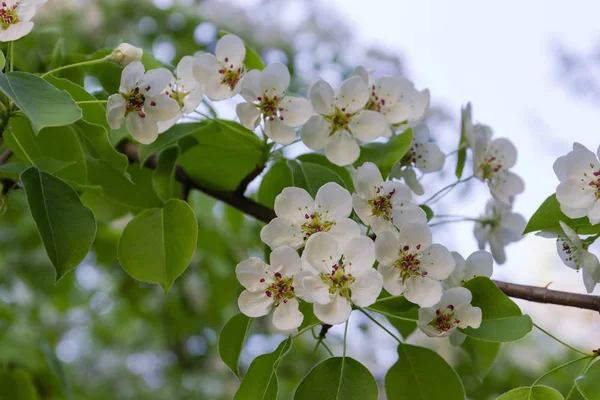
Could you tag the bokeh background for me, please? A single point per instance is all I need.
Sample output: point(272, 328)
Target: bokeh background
point(531, 70)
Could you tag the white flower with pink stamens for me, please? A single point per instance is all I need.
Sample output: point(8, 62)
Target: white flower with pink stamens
point(15, 18)
point(574, 254)
point(412, 265)
point(479, 263)
point(454, 310)
point(141, 103)
point(271, 287)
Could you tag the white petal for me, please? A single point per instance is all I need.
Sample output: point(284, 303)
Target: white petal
point(363, 73)
point(509, 186)
point(294, 203)
point(588, 281)
point(193, 99)
point(254, 304)
point(296, 110)
point(248, 114)
point(279, 132)
point(155, 81)
point(315, 133)
point(407, 212)
point(505, 150)
point(250, 272)
point(560, 168)
point(342, 149)
point(401, 192)
point(130, 76)
point(410, 109)
point(16, 31)
point(415, 235)
point(575, 194)
point(333, 202)
point(426, 315)
point(421, 134)
point(287, 315)
point(570, 234)
point(569, 259)
point(316, 290)
point(387, 248)
point(344, 230)
point(161, 107)
point(574, 212)
point(366, 180)
point(250, 86)
point(470, 316)
point(336, 312)
point(367, 288)
point(479, 263)
point(391, 88)
point(185, 71)
point(497, 248)
point(363, 209)
point(380, 224)
point(429, 158)
point(115, 111)
point(456, 297)
point(594, 213)
point(321, 96)
point(352, 96)
point(144, 130)
point(230, 49)
point(275, 80)
point(282, 232)
point(359, 255)
point(206, 69)
point(511, 227)
point(423, 291)
point(367, 125)
point(391, 279)
point(164, 126)
point(437, 262)
point(481, 233)
point(410, 178)
point(286, 261)
point(321, 252)
point(457, 338)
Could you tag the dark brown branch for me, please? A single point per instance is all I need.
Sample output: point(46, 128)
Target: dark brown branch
point(265, 214)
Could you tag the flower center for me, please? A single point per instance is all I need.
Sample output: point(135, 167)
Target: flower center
point(338, 281)
point(381, 206)
point(269, 106)
point(339, 120)
point(8, 15)
point(374, 103)
point(409, 263)
point(596, 182)
point(177, 92)
point(230, 75)
point(444, 320)
point(280, 290)
point(135, 100)
point(489, 167)
point(411, 156)
point(571, 252)
point(315, 223)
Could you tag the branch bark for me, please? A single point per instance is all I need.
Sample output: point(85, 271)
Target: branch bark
point(265, 214)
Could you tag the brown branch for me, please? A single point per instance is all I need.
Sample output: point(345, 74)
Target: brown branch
point(265, 214)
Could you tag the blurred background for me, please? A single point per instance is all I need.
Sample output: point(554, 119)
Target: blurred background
point(531, 70)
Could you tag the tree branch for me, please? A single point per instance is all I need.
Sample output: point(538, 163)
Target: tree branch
point(265, 214)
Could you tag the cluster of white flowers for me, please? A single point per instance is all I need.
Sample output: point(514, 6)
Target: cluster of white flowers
point(336, 270)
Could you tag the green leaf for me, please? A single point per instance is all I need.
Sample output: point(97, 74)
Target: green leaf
point(428, 211)
point(163, 178)
point(261, 382)
point(588, 383)
point(338, 378)
point(226, 153)
point(537, 392)
point(312, 176)
point(58, 53)
point(386, 155)
point(96, 144)
point(41, 102)
point(502, 319)
point(320, 159)
point(278, 177)
point(66, 226)
point(2, 60)
point(462, 152)
point(252, 59)
point(231, 341)
point(482, 355)
point(170, 137)
point(422, 374)
point(17, 385)
point(546, 218)
point(158, 244)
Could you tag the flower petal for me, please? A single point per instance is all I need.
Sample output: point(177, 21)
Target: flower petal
point(429, 158)
point(391, 279)
point(155, 81)
point(315, 290)
point(362, 208)
point(343, 230)
point(254, 304)
point(366, 180)
point(352, 95)
point(274, 80)
point(130, 76)
point(250, 272)
point(423, 291)
point(342, 149)
point(321, 96)
point(387, 248)
point(16, 31)
point(230, 50)
point(279, 132)
point(426, 315)
point(335, 312)
point(367, 288)
point(359, 255)
point(248, 114)
point(407, 212)
point(437, 262)
point(504, 150)
point(479, 263)
point(287, 315)
point(315, 133)
point(415, 235)
point(250, 86)
point(321, 252)
point(286, 261)
point(144, 130)
point(161, 107)
point(470, 316)
point(282, 232)
point(333, 202)
point(296, 110)
point(115, 111)
point(294, 203)
point(367, 125)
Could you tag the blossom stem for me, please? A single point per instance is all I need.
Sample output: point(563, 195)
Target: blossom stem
point(92, 102)
point(561, 342)
point(80, 64)
point(445, 190)
point(380, 325)
point(368, 230)
point(286, 145)
point(203, 115)
point(558, 368)
point(308, 328)
point(455, 220)
point(345, 337)
point(391, 315)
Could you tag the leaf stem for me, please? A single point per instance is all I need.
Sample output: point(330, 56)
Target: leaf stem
point(92, 102)
point(80, 64)
point(345, 336)
point(561, 342)
point(379, 324)
point(286, 145)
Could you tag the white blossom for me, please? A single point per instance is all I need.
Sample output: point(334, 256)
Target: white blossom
point(574, 254)
point(15, 18)
point(499, 226)
point(491, 162)
point(271, 287)
point(411, 265)
point(125, 54)
point(396, 99)
point(299, 216)
point(341, 120)
point(264, 92)
point(453, 311)
point(141, 102)
point(579, 189)
point(341, 276)
point(383, 205)
point(185, 90)
point(480, 263)
point(423, 155)
point(220, 74)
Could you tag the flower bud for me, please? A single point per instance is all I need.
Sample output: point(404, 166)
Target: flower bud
point(125, 54)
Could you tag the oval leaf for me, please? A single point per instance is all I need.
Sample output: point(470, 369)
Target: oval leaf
point(312, 176)
point(158, 244)
point(386, 155)
point(163, 178)
point(546, 218)
point(17, 385)
point(422, 374)
point(278, 177)
point(588, 383)
point(482, 354)
point(338, 378)
point(538, 392)
point(66, 226)
point(171, 136)
point(231, 341)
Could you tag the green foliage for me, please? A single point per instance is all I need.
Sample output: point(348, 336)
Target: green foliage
point(170, 137)
point(401, 313)
point(422, 374)
point(386, 155)
point(532, 393)
point(41, 102)
point(503, 320)
point(261, 382)
point(66, 226)
point(158, 244)
point(163, 178)
point(320, 159)
point(548, 215)
point(462, 143)
point(338, 378)
point(2, 60)
point(16, 385)
point(428, 211)
point(588, 384)
point(231, 341)
point(482, 354)
point(252, 59)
